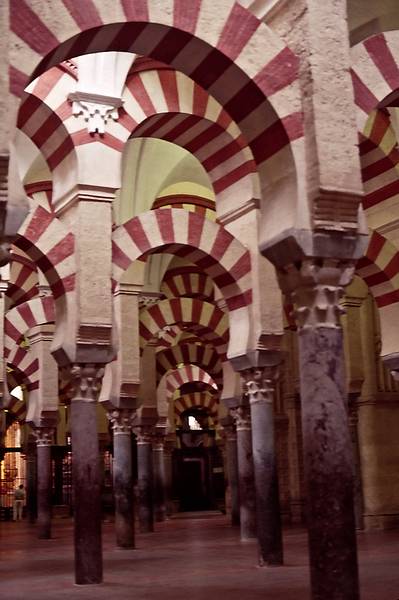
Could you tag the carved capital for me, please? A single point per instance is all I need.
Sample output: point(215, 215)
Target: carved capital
point(121, 420)
point(315, 287)
point(96, 109)
point(260, 383)
point(44, 436)
point(229, 433)
point(86, 381)
point(144, 434)
point(242, 417)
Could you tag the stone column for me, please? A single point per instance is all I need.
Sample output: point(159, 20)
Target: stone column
point(168, 447)
point(353, 429)
point(158, 458)
point(232, 471)
point(145, 478)
point(31, 482)
point(86, 473)
point(44, 440)
point(121, 420)
point(260, 384)
point(316, 288)
point(246, 481)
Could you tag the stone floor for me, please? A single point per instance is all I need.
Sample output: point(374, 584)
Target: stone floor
point(195, 558)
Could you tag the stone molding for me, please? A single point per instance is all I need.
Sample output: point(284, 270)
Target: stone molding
point(86, 381)
point(121, 420)
point(315, 287)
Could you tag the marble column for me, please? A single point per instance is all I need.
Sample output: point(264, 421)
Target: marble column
point(232, 471)
point(121, 420)
point(246, 481)
point(358, 488)
point(31, 482)
point(316, 289)
point(168, 447)
point(260, 383)
point(145, 478)
point(86, 475)
point(158, 458)
point(44, 440)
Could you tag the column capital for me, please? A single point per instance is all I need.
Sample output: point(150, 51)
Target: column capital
point(86, 381)
point(260, 383)
point(121, 420)
point(144, 434)
point(44, 435)
point(242, 417)
point(315, 287)
point(229, 432)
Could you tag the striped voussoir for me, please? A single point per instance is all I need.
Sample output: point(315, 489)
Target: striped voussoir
point(23, 317)
point(216, 50)
point(200, 241)
point(50, 246)
point(16, 407)
point(204, 400)
point(187, 374)
point(188, 281)
point(198, 204)
point(379, 268)
point(204, 356)
point(185, 311)
point(176, 334)
point(379, 158)
point(24, 279)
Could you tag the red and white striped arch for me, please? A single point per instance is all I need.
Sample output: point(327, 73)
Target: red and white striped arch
point(186, 311)
point(204, 356)
point(23, 279)
point(375, 73)
point(176, 334)
point(203, 206)
point(23, 317)
point(187, 374)
point(204, 400)
point(225, 49)
point(188, 281)
point(17, 407)
point(50, 246)
point(202, 242)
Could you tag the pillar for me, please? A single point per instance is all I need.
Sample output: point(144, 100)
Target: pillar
point(31, 482)
point(246, 481)
point(44, 440)
point(168, 447)
point(58, 453)
point(316, 288)
point(354, 435)
point(159, 478)
point(86, 475)
point(260, 384)
point(145, 479)
point(121, 420)
point(232, 471)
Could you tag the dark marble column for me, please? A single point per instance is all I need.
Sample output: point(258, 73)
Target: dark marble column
point(86, 475)
point(260, 384)
point(317, 286)
point(145, 478)
point(232, 471)
point(44, 440)
point(31, 482)
point(58, 454)
point(353, 428)
point(123, 476)
point(246, 480)
point(159, 478)
point(167, 452)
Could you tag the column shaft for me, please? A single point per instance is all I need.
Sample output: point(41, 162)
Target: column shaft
point(145, 485)
point(87, 492)
point(31, 483)
point(159, 482)
point(328, 462)
point(232, 474)
point(268, 515)
point(44, 490)
point(246, 480)
point(123, 490)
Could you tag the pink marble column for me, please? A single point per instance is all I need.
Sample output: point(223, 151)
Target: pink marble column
point(44, 440)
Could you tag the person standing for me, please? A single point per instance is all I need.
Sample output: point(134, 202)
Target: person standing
point(19, 499)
